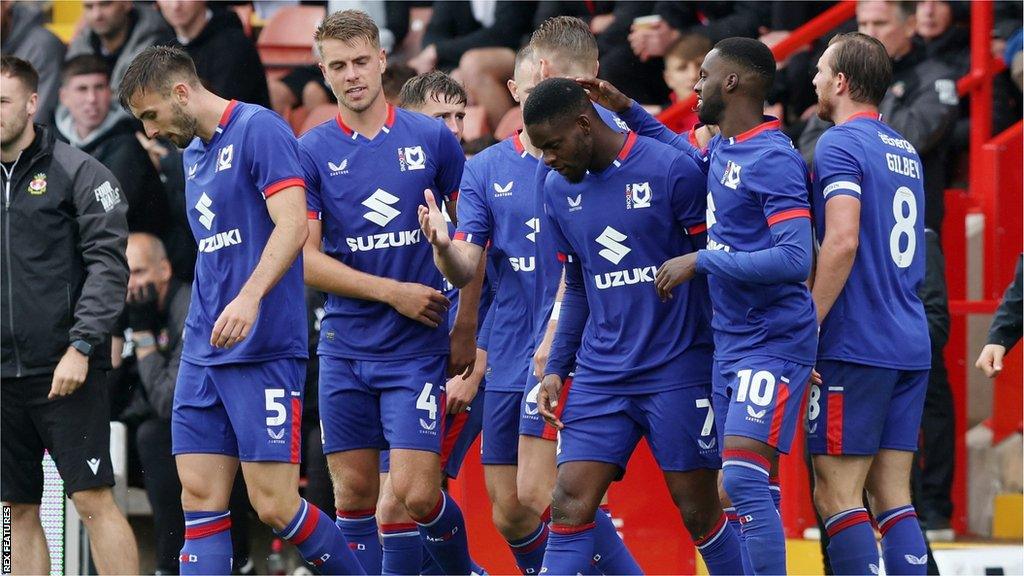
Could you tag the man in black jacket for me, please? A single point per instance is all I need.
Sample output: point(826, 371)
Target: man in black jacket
point(1005, 331)
point(85, 120)
point(226, 59)
point(65, 276)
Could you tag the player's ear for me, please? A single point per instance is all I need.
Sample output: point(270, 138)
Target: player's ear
point(583, 121)
point(732, 81)
point(511, 84)
point(181, 91)
point(383, 60)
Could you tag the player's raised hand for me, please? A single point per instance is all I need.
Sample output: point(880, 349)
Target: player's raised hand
point(990, 361)
point(461, 390)
point(547, 399)
point(235, 321)
point(673, 273)
point(432, 223)
point(423, 304)
point(604, 94)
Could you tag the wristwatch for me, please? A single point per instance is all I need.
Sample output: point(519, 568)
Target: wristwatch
point(145, 341)
point(83, 347)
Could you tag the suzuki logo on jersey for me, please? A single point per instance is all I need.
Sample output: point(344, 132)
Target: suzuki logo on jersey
point(575, 203)
point(381, 212)
point(337, 169)
point(731, 178)
point(220, 240)
point(206, 215)
point(522, 263)
point(638, 195)
point(412, 158)
point(224, 157)
point(614, 251)
point(619, 278)
point(383, 240)
point(534, 225)
point(502, 191)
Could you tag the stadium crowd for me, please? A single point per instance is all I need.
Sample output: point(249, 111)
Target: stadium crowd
point(482, 56)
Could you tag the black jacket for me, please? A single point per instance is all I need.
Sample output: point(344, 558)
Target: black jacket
point(227, 61)
point(65, 276)
point(453, 30)
point(158, 372)
point(1007, 323)
point(921, 104)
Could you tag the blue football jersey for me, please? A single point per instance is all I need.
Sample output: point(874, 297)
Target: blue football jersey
point(252, 155)
point(755, 180)
point(620, 225)
point(496, 208)
point(366, 192)
point(878, 318)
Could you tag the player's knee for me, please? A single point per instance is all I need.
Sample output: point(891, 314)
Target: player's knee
point(390, 510)
point(829, 499)
point(274, 511)
point(700, 517)
point(571, 506)
point(421, 502)
point(355, 494)
point(92, 503)
point(22, 513)
point(508, 514)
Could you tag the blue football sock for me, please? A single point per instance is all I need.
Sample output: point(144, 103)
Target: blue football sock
point(403, 549)
point(851, 543)
point(529, 550)
point(734, 523)
point(570, 549)
point(432, 568)
point(720, 549)
point(319, 541)
point(444, 534)
point(610, 552)
point(360, 530)
point(207, 548)
point(745, 477)
point(903, 546)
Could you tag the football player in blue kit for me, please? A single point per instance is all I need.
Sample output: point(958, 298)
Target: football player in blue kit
point(757, 261)
point(617, 205)
point(238, 395)
point(874, 351)
point(384, 341)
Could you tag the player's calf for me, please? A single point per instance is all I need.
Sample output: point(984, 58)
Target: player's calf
point(695, 493)
point(903, 545)
point(745, 470)
point(578, 491)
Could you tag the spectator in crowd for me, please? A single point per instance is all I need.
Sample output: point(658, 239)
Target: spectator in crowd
point(156, 308)
point(682, 70)
point(116, 32)
point(1012, 57)
point(85, 120)
point(226, 59)
point(921, 104)
point(23, 35)
point(945, 39)
point(65, 231)
point(394, 77)
point(1006, 328)
point(480, 39)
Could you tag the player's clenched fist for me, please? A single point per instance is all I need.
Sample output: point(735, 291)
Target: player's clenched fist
point(547, 399)
point(422, 303)
point(235, 322)
point(673, 273)
point(432, 223)
point(990, 361)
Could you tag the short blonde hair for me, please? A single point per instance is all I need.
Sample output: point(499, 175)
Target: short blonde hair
point(568, 37)
point(347, 25)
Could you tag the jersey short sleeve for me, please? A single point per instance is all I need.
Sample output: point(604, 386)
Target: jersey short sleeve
point(778, 179)
point(839, 172)
point(275, 154)
point(314, 206)
point(475, 221)
point(451, 161)
point(689, 201)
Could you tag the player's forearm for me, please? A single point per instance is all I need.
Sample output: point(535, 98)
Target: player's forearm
point(835, 261)
point(283, 246)
point(469, 299)
point(459, 262)
point(329, 275)
point(572, 319)
point(788, 260)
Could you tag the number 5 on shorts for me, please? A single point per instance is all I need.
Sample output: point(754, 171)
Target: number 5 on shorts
point(280, 413)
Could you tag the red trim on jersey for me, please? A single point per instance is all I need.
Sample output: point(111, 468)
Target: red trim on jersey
point(834, 434)
point(566, 529)
point(225, 117)
point(545, 516)
point(460, 235)
point(451, 436)
point(312, 214)
point(356, 513)
point(851, 520)
point(747, 456)
point(870, 114)
point(397, 528)
point(454, 196)
point(550, 432)
point(518, 143)
point(630, 141)
point(762, 127)
point(308, 526)
point(777, 416)
point(296, 452)
point(697, 229)
point(282, 184)
point(788, 215)
point(204, 530)
point(341, 124)
point(390, 120)
point(563, 258)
